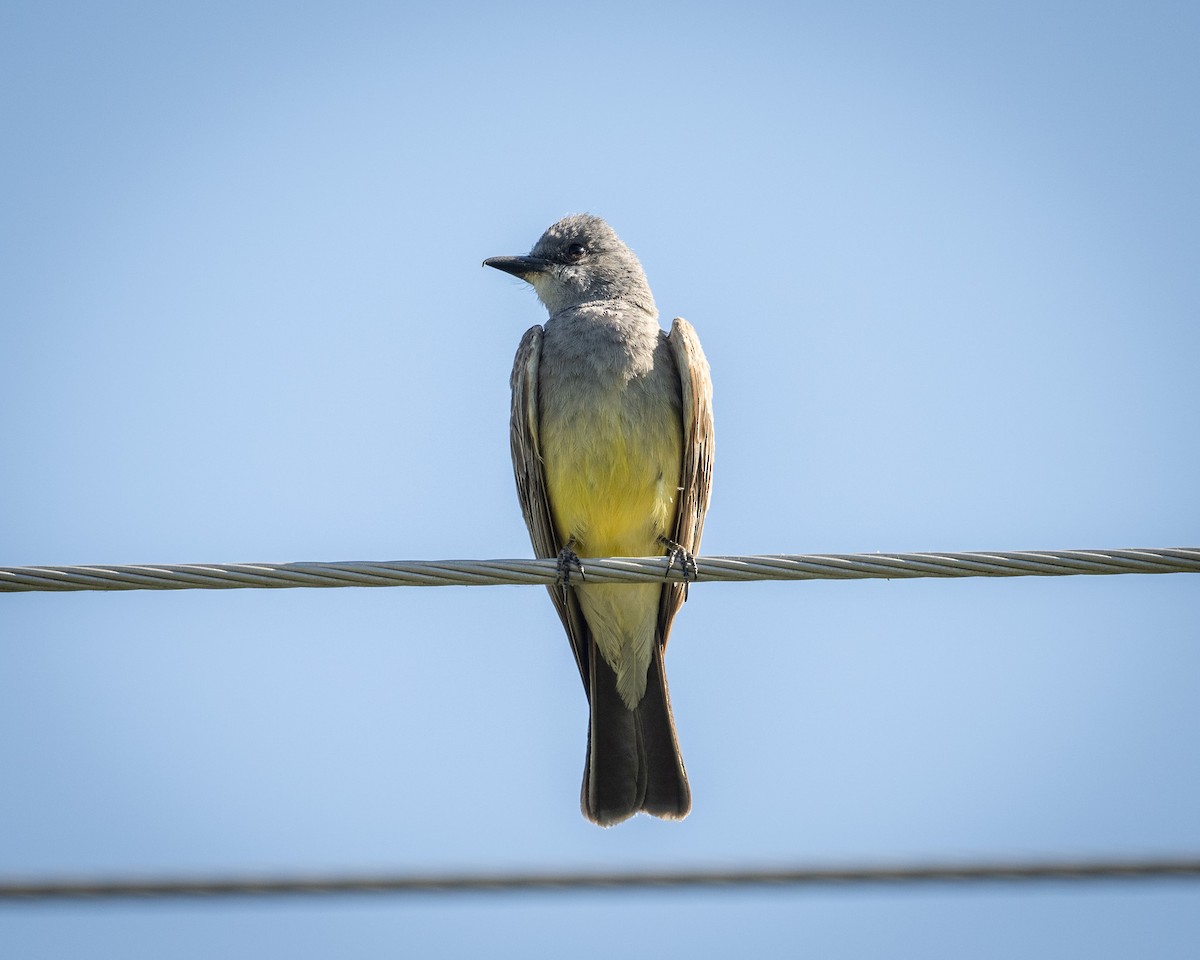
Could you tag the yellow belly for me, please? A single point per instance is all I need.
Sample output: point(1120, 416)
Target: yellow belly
point(612, 477)
point(613, 483)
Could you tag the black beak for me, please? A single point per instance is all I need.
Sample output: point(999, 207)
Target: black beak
point(522, 267)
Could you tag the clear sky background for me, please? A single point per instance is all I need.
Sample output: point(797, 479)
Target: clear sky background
point(943, 259)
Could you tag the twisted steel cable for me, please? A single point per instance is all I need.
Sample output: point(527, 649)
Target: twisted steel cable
point(439, 573)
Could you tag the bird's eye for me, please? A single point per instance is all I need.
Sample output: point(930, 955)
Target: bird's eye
point(576, 251)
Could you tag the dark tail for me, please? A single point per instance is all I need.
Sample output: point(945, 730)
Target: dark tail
point(633, 760)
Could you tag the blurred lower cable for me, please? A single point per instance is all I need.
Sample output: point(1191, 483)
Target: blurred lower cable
point(1185, 868)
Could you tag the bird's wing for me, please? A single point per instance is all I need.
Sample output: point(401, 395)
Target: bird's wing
point(696, 477)
point(524, 435)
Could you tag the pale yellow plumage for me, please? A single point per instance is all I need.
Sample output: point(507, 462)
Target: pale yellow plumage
point(612, 479)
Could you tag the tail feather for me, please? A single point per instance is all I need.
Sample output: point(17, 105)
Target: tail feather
point(667, 792)
point(633, 760)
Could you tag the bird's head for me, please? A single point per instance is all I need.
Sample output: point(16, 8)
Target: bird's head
point(578, 260)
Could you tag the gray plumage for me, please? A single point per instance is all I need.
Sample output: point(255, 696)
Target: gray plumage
point(612, 451)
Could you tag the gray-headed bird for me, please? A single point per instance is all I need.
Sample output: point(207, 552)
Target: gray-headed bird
point(612, 445)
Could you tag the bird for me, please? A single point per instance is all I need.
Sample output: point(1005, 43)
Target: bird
point(612, 446)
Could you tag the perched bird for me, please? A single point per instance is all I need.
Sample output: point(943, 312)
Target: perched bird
point(612, 444)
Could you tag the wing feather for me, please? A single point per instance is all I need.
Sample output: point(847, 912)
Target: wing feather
point(696, 476)
point(524, 436)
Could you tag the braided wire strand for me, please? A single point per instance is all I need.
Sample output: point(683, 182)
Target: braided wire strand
point(437, 573)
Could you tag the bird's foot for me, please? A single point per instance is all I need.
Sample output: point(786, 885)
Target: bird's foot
point(687, 562)
point(568, 564)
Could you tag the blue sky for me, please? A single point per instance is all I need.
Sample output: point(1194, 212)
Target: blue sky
point(942, 259)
